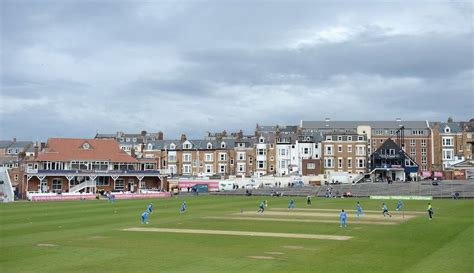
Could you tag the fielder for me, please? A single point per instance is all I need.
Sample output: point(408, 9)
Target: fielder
point(343, 217)
point(145, 217)
point(359, 209)
point(149, 208)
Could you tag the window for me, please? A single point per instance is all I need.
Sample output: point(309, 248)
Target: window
point(222, 156)
point(305, 151)
point(261, 164)
point(447, 129)
point(271, 168)
point(223, 145)
point(134, 139)
point(241, 167)
point(412, 142)
point(172, 158)
point(209, 145)
point(423, 143)
point(282, 164)
point(349, 163)
point(447, 141)
point(57, 184)
point(448, 154)
point(328, 150)
point(186, 169)
point(328, 162)
point(241, 156)
point(222, 168)
point(423, 160)
point(261, 140)
point(172, 146)
point(119, 184)
point(339, 162)
point(349, 149)
point(282, 151)
point(349, 138)
point(339, 138)
point(412, 152)
point(208, 168)
point(423, 151)
point(231, 161)
point(16, 177)
point(187, 146)
point(310, 166)
point(360, 163)
point(360, 150)
point(102, 181)
point(328, 138)
point(128, 139)
point(150, 146)
point(378, 132)
point(208, 157)
point(261, 151)
point(339, 148)
point(186, 157)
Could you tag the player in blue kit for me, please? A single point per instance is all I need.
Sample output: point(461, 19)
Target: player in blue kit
point(145, 217)
point(183, 207)
point(149, 208)
point(359, 209)
point(343, 217)
point(399, 205)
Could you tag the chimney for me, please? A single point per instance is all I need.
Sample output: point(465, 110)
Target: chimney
point(36, 150)
point(160, 135)
point(183, 137)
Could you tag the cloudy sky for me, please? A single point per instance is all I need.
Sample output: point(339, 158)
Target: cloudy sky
point(72, 68)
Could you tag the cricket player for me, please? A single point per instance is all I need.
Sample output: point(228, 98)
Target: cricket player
point(343, 217)
point(261, 207)
point(399, 205)
point(308, 200)
point(183, 207)
point(430, 211)
point(385, 210)
point(149, 208)
point(359, 209)
point(145, 217)
point(291, 204)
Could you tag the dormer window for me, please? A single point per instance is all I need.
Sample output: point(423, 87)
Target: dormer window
point(86, 146)
point(209, 145)
point(128, 139)
point(261, 140)
point(447, 129)
point(172, 146)
point(223, 145)
point(134, 139)
point(150, 146)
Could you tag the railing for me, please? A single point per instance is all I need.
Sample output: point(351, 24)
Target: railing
point(85, 184)
point(31, 171)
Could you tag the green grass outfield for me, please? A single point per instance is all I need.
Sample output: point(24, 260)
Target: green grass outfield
point(89, 236)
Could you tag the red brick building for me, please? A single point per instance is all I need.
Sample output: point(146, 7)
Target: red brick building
point(72, 165)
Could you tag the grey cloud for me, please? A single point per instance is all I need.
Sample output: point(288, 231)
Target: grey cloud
point(71, 67)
